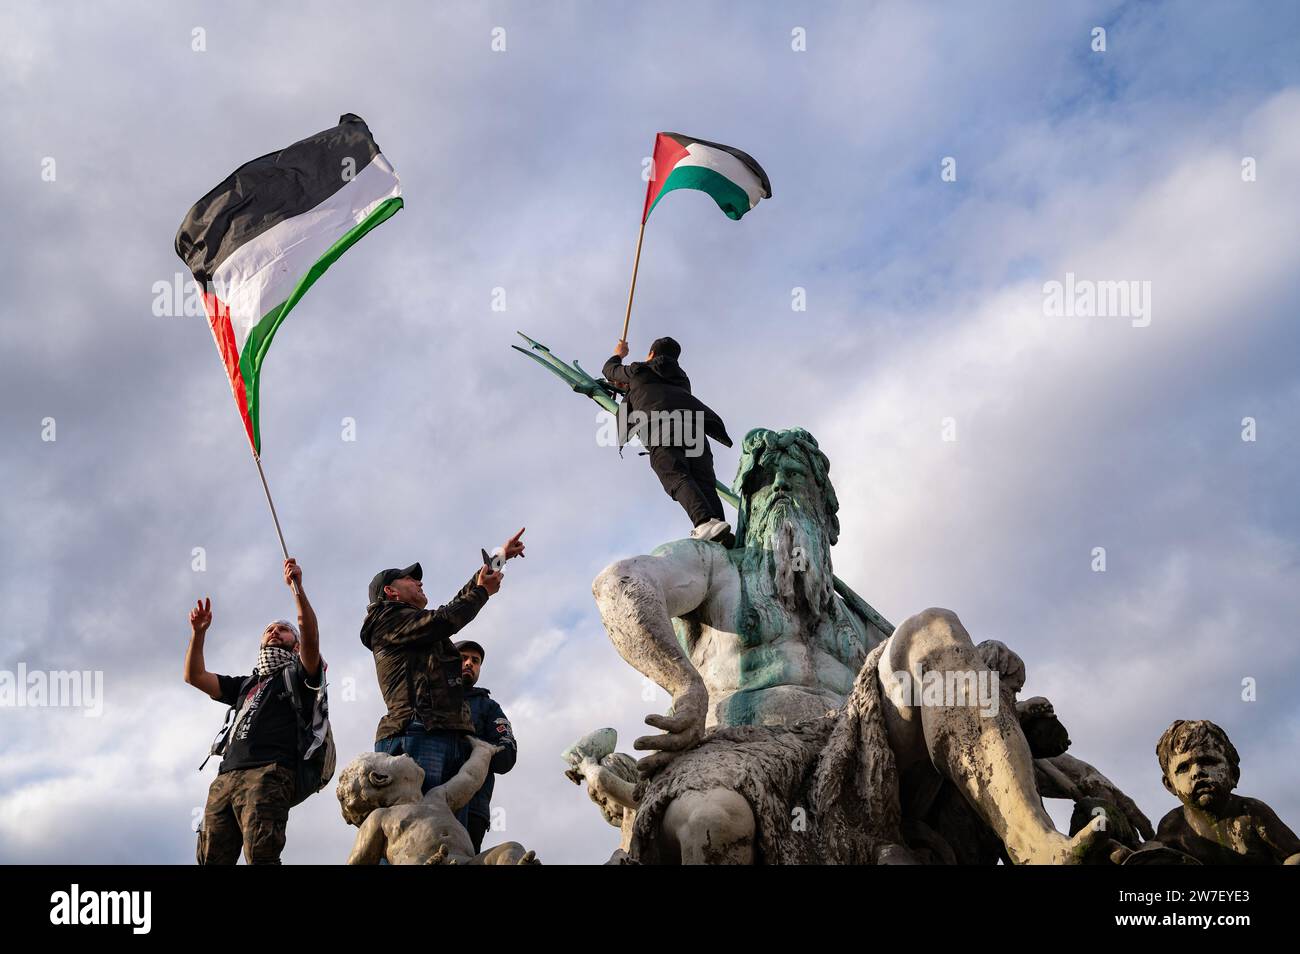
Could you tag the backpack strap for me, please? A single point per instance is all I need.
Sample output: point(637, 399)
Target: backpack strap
point(306, 718)
point(218, 742)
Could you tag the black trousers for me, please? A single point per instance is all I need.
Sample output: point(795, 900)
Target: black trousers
point(689, 481)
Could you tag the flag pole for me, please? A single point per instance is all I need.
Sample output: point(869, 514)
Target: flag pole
point(278, 532)
point(636, 263)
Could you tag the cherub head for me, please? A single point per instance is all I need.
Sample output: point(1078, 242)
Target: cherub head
point(1200, 765)
point(376, 780)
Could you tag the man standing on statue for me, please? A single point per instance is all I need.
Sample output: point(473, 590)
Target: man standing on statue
point(419, 668)
point(658, 398)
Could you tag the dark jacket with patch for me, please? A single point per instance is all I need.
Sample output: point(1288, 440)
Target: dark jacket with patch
point(417, 665)
point(661, 385)
point(490, 725)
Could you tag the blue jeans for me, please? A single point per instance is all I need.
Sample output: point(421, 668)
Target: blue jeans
point(440, 752)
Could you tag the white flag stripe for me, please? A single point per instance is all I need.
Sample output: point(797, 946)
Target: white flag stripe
point(724, 163)
point(263, 272)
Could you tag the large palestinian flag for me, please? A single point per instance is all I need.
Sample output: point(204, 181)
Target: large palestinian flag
point(734, 180)
point(259, 240)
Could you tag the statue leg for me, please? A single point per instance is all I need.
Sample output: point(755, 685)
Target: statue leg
point(507, 853)
point(711, 828)
point(984, 754)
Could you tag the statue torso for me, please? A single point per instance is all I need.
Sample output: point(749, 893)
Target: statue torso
point(415, 831)
point(763, 663)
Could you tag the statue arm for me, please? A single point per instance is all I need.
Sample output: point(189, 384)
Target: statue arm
point(371, 841)
point(464, 784)
point(1280, 838)
point(1053, 783)
point(1092, 783)
point(638, 599)
point(604, 782)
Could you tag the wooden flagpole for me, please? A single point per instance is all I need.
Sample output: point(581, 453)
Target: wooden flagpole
point(278, 532)
point(636, 263)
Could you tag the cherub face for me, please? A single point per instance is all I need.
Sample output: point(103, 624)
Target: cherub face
point(1200, 777)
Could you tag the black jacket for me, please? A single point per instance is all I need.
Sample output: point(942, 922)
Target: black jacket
point(417, 665)
point(661, 385)
point(490, 725)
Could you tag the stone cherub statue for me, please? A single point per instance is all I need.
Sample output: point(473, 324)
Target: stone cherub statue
point(1200, 766)
point(784, 743)
point(380, 794)
point(611, 778)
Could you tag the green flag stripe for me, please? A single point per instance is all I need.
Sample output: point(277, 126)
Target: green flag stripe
point(259, 338)
point(731, 198)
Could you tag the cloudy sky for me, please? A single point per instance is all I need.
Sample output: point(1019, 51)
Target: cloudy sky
point(521, 169)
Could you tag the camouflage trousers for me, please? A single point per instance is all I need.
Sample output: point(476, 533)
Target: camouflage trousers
point(248, 809)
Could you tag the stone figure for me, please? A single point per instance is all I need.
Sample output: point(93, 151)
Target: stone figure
point(785, 742)
point(965, 839)
point(1060, 775)
point(380, 794)
point(611, 778)
point(1200, 767)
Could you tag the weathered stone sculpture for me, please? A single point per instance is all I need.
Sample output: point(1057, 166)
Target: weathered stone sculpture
point(611, 778)
point(380, 794)
point(788, 740)
point(1200, 766)
point(965, 839)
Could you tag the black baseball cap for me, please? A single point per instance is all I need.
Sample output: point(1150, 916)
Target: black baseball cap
point(384, 577)
point(465, 644)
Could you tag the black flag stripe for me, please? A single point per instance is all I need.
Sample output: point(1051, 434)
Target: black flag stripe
point(267, 190)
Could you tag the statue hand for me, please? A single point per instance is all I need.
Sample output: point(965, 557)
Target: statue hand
point(682, 730)
point(1038, 706)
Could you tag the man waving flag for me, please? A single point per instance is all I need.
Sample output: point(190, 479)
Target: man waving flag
point(258, 241)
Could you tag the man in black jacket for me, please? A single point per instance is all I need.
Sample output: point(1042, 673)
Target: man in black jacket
point(490, 725)
point(419, 669)
point(673, 425)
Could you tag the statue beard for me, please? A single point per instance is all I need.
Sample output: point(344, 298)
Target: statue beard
point(797, 548)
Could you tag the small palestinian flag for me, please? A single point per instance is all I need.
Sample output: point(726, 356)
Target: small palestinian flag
point(734, 180)
point(259, 240)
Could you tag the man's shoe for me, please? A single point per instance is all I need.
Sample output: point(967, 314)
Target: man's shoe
point(712, 530)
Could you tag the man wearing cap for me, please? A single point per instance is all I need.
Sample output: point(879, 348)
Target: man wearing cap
point(659, 394)
point(490, 725)
point(248, 802)
point(419, 668)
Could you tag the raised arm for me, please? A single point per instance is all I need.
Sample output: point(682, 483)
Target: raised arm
point(196, 673)
point(638, 599)
point(418, 628)
point(462, 786)
point(309, 645)
point(614, 371)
